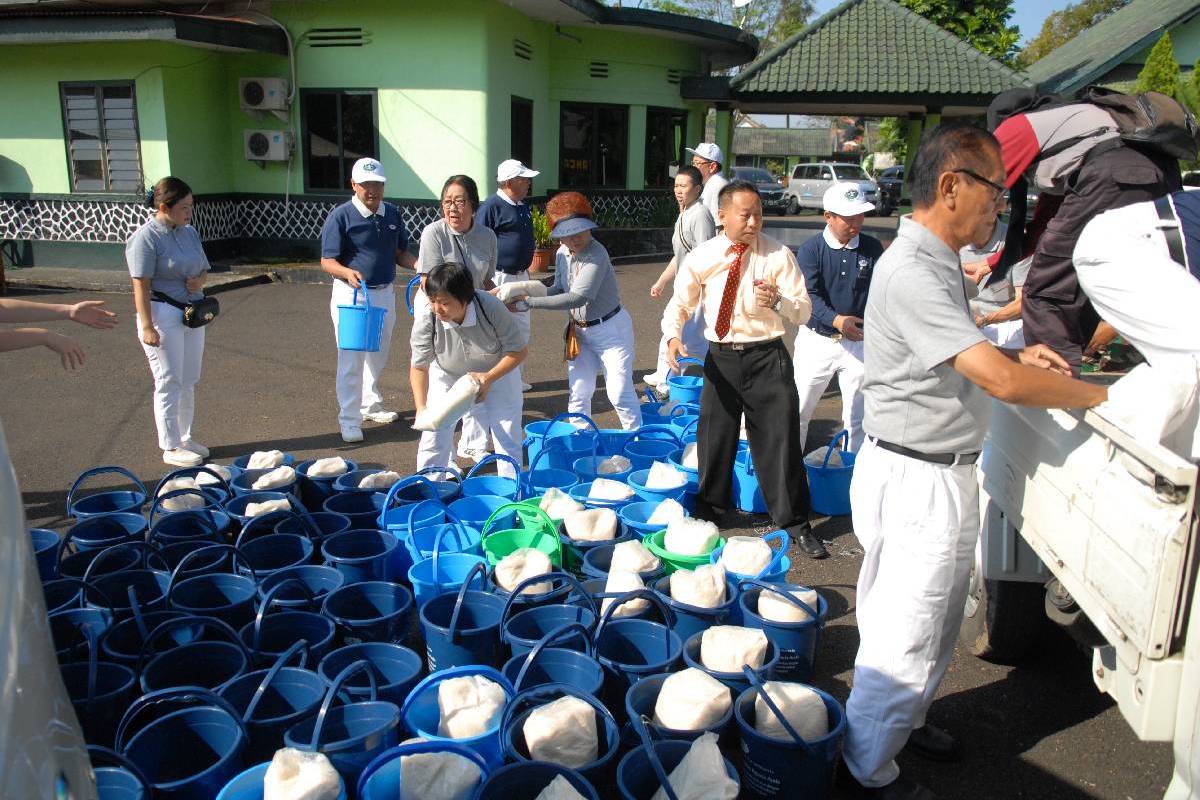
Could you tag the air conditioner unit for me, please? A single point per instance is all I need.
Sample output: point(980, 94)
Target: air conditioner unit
point(268, 145)
point(263, 94)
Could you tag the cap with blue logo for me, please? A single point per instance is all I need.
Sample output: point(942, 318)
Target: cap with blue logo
point(367, 169)
point(846, 200)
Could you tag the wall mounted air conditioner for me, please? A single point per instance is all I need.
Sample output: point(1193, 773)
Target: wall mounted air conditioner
point(266, 145)
point(263, 94)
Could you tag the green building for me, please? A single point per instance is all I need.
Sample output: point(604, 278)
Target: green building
point(263, 115)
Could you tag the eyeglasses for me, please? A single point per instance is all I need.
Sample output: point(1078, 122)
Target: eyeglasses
point(461, 202)
point(997, 188)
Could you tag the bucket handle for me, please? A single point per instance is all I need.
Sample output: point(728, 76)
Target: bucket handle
point(498, 457)
point(553, 636)
point(183, 562)
point(146, 548)
point(527, 476)
point(263, 607)
point(689, 361)
point(542, 517)
point(272, 517)
point(477, 567)
point(566, 577)
point(757, 684)
point(548, 692)
point(190, 619)
point(100, 471)
point(366, 298)
point(415, 748)
point(654, 432)
point(784, 591)
point(156, 503)
point(191, 513)
point(450, 470)
point(643, 732)
point(412, 512)
point(842, 434)
point(688, 429)
point(437, 551)
point(411, 480)
point(776, 555)
point(570, 415)
point(105, 754)
point(136, 609)
point(86, 588)
point(647, 594)
point(188, 472)
point(185, 696)
point(300, 647)
point(334, 687)
point(408, 293)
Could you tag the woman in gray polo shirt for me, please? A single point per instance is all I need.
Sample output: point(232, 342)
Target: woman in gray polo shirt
point(463, 331)
point(165, 257)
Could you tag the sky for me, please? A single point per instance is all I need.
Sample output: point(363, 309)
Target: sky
point(1029, 14)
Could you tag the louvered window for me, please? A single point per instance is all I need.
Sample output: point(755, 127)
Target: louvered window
point(101, 131)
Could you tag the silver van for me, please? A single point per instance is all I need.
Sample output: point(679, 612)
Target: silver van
point(809, 181)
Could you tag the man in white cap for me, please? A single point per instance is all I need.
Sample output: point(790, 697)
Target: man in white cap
point(362, 241)
point(507, 214)
point(837, 267)
point(707, 158)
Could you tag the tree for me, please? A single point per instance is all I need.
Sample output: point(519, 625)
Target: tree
point(1161, 72)
point(983, 24)
point(772, 21)
point(1063, 26)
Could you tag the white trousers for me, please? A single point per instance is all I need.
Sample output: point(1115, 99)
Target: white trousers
point(606, 347)
point(693, 340)
point(474, 428)
point(1009, 335)
point(175, 365)
point(918, 524)
point(501, 408)
point(358, 373)
point(816, 360)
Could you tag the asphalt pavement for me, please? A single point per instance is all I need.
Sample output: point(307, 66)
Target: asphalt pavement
point(1040, 730)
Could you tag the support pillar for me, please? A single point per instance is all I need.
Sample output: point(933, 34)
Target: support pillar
point(724, 138)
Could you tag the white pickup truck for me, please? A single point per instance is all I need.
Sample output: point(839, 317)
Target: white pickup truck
point(1071, 500)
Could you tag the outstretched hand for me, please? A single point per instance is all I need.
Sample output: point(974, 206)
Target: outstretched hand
point(67, 348)
point(1039, 355)
point(92, 314)
point(675, 351)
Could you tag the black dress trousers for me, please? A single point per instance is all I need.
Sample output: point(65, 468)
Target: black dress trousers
point(755, 379)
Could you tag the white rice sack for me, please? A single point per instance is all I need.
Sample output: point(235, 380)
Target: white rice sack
point(300, 775)
point(184, 501)
point(204, 479)
point(328, 467)
point(665, 512)
point(559, 789)
point(558, 504)
point(691, 537)
point(280, 476)
point(777, 609)
point(591, 525)
point(620, 583)
point(691, 459)
point(746, 555)
point(522, 563)
point(613, 465)
point(701, 774)
point(508, 291)
point(266, 507)
point(691, 700)
point(605, 489)
point(632, 556)
point(438, 776)
point(727, 648)
point(380, 480)
point(801, 706)
point(663, 476)
point(265, 459)
point(450, 408)
point(469, 706)
point(817, 458)
point(562, 732)
point(704, 588)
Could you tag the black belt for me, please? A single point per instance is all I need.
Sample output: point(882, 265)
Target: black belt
point(945, 459)
point(369, 286)
point(605, 318)
point(740, 346)
point(1174, 238)
point(511, 271)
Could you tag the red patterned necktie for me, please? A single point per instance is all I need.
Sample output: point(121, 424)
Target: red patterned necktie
point(725, 313)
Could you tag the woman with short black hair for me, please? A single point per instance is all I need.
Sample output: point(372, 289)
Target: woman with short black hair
point(466, 332)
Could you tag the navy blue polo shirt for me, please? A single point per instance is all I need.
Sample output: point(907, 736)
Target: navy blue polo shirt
point(513, 226)
point(1187, 211)
point(367, 245)
point(837, 279)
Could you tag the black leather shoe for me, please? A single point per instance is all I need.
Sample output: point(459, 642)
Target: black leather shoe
point(933, 743)
point(900, 789)
point(808, 543)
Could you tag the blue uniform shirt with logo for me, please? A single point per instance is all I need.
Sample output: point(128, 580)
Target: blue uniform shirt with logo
point(367, 245)
point(837, 278)
point(513, 226)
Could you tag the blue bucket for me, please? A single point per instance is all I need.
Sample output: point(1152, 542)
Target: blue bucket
point(362, 508)
point(236, 505)
point(45, 552)
point(206, 663)
point(276, 552)
point(641, 699)
point(107, 502)
point(789, 767)
point(318, 525)
point(454, 537)
point(381, 779)
point(348, 483)
point(574, 552)
point(122, 643)
point(598, 560)
point(248, 785)
point(362, 555)
point(476, 510)
point(635, 515)
point(544, 664)
point(371, 611)
point(350, 735)
point(565, 441)
point(421, 713)
point(229, 597)
point(579, 493)
point(611, 441)
point(631, 648)
point(212, 493)
point(523, 630)
point(72, 628)
point(686, 388)
point(100, 531)
point(776, 569)
point(746, 494)
point(525, 780)
point(120, 781)
point(242, 463)
point(693, 475)
point(637, 482)
point(649, 444)
point(448, 489)
point(684, 424)
point(401, 520)
point(315, 491)
point(314, 583)
point(608, 736)
point(211, 522)
point(396, 667)
point(99, 692)
point(462, 627)
point(830, 486)
point(734, 680)
point(360, 327)
point(244, 484)
point(796, 641)
point(122, 589)
point(644, 770)
point(536, 482)
point(443, 572)
point(689, 619)
point(496, 485)
point(413, 284)
point(270, 636)
point(190, 747)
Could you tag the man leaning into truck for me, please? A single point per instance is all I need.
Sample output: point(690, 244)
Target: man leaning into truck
point(915, 498)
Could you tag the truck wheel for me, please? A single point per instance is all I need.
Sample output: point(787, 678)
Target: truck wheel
point(793, 207)
point(1003, 619)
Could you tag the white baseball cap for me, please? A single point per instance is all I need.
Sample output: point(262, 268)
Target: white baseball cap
point(707, 150)
point(367, 169)
point(846, 200)
point(512, 168)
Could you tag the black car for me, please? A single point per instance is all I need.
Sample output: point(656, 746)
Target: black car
point(891, 189)
point(769, 189)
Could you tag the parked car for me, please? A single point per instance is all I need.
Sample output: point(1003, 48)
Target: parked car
point(769, 190)
point(891, 188)
point(809, 182)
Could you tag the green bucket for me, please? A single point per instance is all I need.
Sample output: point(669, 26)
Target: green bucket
point(674, 561)
point(537, 531)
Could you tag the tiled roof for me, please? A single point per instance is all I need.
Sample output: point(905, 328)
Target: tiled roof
point(876, 46)
point(783, 141)
point(1094, 52)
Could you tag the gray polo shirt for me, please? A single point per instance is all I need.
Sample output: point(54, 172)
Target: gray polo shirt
point(475, 249)
point(585, 284)
point(488, 331)
point(693, 227)
point(917, 318)
point(168, 256)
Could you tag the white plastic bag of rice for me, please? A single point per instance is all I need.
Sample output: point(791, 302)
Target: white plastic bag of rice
point(522, 563)
point(204, 479)
point(665, 512)
point(778, 609)
point(691, 700)
point(266, 507)
point(591, 525)
point(558, 504)
point(703, 588)
point(619, 583)
point(726, 648)
point(562, 732)
point(299, 775)
point(280, 476)
point(184, 501)
point(613, 465)
point(328, 467)
point(469, 706)
point(379, 480)
point(632, 556)
point(691, 537)
point(664, 477)
point(265, 459)
point(802, 707)
point(559, 789)
point(701, 774)
point(438, 776)
point(607, 489)
point(817, 458)
point(691, 456)
point(746, 555)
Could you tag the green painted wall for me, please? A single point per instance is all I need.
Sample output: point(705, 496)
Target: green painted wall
point(1185, 39)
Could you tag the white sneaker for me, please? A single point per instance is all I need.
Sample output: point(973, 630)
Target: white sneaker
point(652, 379)
point(525, 387)
point(182, 458)
point(196, 448)
point(383, 417)
point(474, 454)
point(351, 433)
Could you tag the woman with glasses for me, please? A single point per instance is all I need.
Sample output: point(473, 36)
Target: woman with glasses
point(457, 239)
